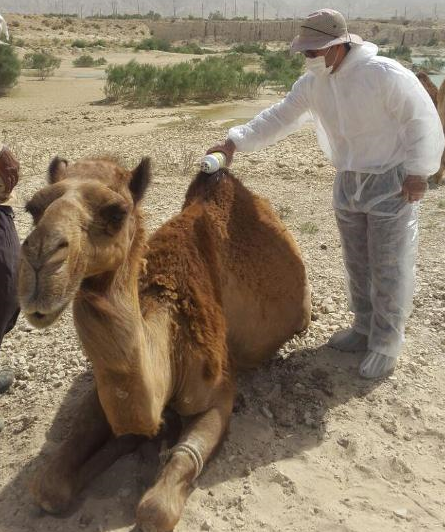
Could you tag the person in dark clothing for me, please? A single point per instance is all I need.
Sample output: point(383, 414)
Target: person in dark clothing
point(9, 255)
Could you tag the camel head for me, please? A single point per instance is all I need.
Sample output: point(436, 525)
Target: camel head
point(84, 226)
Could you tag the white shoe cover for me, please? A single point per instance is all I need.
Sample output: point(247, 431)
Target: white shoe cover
point(376, 365)
point(348, 340)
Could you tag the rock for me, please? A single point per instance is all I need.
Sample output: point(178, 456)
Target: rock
point(323, 246)
point(2, 424)
point(266, 412)
point(344, 442)
point(401, 512)
point(207, 525)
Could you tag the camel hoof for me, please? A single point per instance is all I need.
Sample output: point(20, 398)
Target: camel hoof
point(52, 494)
point(156, 513)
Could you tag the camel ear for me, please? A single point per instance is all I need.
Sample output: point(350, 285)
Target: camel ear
point(140, 179)
point(57, 170)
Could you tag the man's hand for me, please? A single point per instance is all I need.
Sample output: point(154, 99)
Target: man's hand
point(9, 171)
point(228, 148)
point(414, 188)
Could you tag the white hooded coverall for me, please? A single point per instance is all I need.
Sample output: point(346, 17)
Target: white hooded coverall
point(3, 29)
point(376, 124)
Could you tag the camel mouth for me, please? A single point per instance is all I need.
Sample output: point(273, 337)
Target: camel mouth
point(40, 320)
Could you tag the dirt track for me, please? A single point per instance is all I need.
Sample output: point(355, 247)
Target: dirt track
point(311, 447)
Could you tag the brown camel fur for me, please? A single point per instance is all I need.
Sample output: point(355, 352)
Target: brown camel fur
point(438, 177)
point(165, 321)
point(429, 86)
point(438, 97)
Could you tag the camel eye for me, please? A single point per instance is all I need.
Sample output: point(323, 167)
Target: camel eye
point(114, 216)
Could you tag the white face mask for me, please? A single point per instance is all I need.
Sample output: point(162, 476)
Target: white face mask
point(317, 65)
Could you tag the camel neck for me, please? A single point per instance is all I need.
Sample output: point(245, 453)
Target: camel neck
point(129, 352)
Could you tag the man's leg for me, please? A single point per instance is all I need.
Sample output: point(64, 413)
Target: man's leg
point(353, 229)
point(392, 252)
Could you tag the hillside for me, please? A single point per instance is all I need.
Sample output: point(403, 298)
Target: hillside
point(272, 8)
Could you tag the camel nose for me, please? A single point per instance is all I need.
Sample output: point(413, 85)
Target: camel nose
point(40, 249)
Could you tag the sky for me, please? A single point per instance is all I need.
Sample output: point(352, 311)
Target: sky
point(272, 8)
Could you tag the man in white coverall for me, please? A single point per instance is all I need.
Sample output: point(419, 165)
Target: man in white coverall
point(379, 127)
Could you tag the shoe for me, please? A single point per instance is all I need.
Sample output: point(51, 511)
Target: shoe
point(376, 365)
point(348, 340)
point(6, 379)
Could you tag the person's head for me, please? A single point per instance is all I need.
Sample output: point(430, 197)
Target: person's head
point(9, 173)
point(324, 34)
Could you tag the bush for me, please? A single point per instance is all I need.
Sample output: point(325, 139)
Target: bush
point(191, 48)
point(44, 62)
point(213, 79)
point(433, 42)
point(9, 68)
point(88, 61)
point(282, 68)
point(431, 64)
point(154, 44)
point(249, 48)
point(79, 43)
point(398, 52)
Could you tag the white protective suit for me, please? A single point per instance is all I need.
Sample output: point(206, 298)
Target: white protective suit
point(377, 124)
point(3, 28)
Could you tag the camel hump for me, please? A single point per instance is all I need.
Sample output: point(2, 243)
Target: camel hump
point(218, 187)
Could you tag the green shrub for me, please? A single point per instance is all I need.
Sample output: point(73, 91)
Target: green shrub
point(154, 44)
point(213, 79)
point(398, 52)
point(79, 43)
point(433, 42)
point(249, 48)
point(282, 69)
point(87, 61)
point(191, 48)
point(44, 62)
point(9, 68)
point(84, 61)
point(432, 64)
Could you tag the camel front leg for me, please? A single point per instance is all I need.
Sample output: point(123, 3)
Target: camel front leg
point(160, 508)
point(58, 481)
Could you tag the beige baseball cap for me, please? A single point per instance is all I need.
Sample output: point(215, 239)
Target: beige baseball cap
point(322, 29)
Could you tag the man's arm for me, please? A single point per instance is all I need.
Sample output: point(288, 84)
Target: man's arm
point(421, 130)
point(270, 125)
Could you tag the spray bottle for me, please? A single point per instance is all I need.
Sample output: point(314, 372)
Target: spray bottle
point(213, 162)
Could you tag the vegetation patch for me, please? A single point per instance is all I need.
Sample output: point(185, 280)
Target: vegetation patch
point(398, 52)
point(282, 69)
point(43, 62)
point(88, 61)
point(212, 79)
point(9, 68)
point(249, 48)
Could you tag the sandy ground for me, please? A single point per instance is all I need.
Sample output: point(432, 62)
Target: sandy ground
point(312, 447)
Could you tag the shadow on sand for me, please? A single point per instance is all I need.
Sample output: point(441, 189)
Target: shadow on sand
point(280, 413)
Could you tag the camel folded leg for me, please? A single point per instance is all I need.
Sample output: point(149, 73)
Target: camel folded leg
point(160, 508)
point(79, 458)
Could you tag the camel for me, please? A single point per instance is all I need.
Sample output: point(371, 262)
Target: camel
point(166, 321)
point(438, 97)
point(438, 177)
point(429, 86)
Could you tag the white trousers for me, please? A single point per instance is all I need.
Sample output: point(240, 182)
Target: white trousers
point(379, 232)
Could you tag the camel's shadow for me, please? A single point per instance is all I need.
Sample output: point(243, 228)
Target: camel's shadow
point(280, 413)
